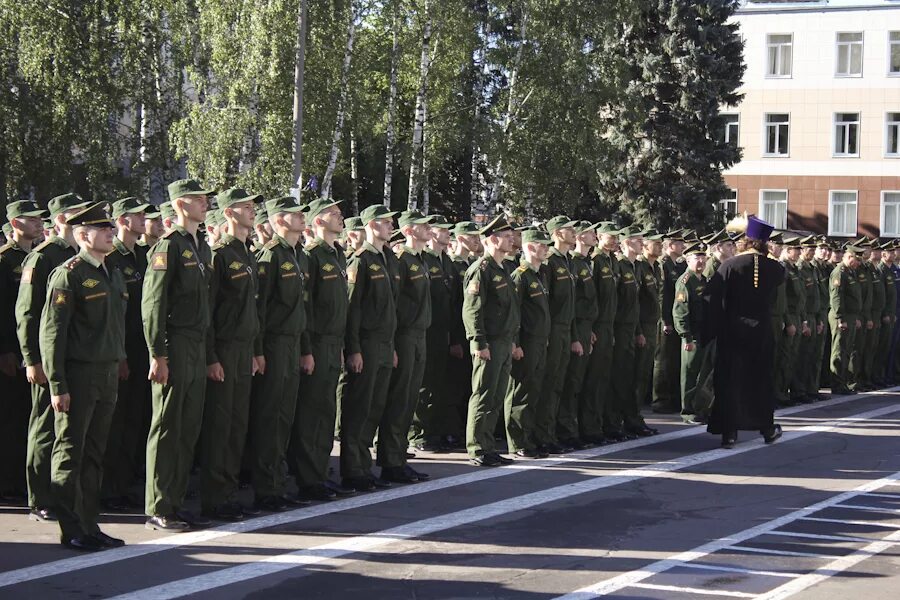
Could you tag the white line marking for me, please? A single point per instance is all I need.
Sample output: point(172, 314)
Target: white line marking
point(689, 590)
point(819, 536)
point(418, 529)
point(891, 496)
point(833, 568)
point(868, 508)
point(685, 558)
point(851, 522)
point(768, 551)
point(87, 561)
point(708, 567)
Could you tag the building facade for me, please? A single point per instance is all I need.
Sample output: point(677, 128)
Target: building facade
point(820, 121)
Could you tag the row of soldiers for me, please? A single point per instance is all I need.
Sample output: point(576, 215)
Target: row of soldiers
point(239, 332)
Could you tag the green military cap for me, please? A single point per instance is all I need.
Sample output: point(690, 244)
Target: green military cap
point(560, 222)
point(535, 236)
point(717, 237)
point(497, 225)
point(695, 248)
point(187, 187)
point(7, 231)
point(96, 214)
point(888, 245)
point(651, 234)
point(61, 204)
point(166, 210)
point(282, 204)
point(153, 213)
point(440, 221)
point(234, 195)
point(631, 231)
point(317, 206)
point(214, 218)
point(810, 241)
point(675, 236)
point(689, 235)
point(47, 224)
point(353, 224)
point(582, 226)
point(465, 228)
point(851, 247)
point(607, 227)
point(777, 238)
point(23, 208)
point(863, 242)
point(412, 217)
point(791, 240)
point(376, 211)
point(128, 206)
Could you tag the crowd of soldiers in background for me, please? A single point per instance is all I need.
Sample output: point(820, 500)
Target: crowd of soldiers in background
point(254, 333)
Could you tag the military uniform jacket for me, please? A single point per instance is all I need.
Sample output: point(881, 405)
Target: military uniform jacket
point(865, 286)
point(372, 313)
point(846, 294)
point(36, 269)
point(511, 263)
point(795, 294)
point(890, 290)
point(11, 258)
point(533, 301)
point(282, 271)
point(649, 279)
point(232, 296)
point(586, 308)
point(175, 297)
point(490, 304)
point(606, 278)
point(327, 300)
point(809, 278)
point(689, 310)
point(414, 299)
point(712, 265)
point(459, 266)
point(823, 273)
point(628, 311)
point(778, 309)
point(877, 306)
point(671, 269)
point(557, 273)
point(439, 280)
point(83, 318)
point(132, 265)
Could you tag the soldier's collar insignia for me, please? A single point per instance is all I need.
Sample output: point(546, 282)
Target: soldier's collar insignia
point(328, 267)
point(90, 283)
point(187, 254)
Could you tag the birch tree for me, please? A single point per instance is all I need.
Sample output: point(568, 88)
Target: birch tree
point(415, 168)
point(390, 136)
point(299, 72)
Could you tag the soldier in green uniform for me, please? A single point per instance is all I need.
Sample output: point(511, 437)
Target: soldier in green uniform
point(511, 260)
point(491, 318)
point(413, 320)
point(82, 340)
point(844, 318)
point(689, 318)
point(30, 301)
point(876, 312)
point(312, 436)
point(648, 274)
point(282, 271)
point(15, 404)
point(824, 267)
point(666, 367)
point(795, 324)
point(370, 360)
point(807, 361)
point(858, 357)
point(888, 315)
point(175, 311)
point(528, 370)
point(153, 228)
point(128, 431)
point(355, 235)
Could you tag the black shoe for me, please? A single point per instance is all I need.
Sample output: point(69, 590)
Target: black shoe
point(270, 504)
point(596, 440)
point(318, 493)
point(248, 510)
point(552, 448)
point(338, 489)
point(527, 453)
point(427, 447)
point(574, 444)
point(108, 541)
point(296, 500)
point(192, 519)
point(841, 392)
point(359, 484)
point(224, 512)
point(399, 474)
point(614, 436)
point(729, 440)
point(503, 459)
point(773, 434)
point(418, 474)
point(42, 515)
point(166, 523)
point(381, 484)
point(486, 460)
point(83, 543)
point(542, 453)
point(410, 454)
point(117, 504)
point(642, 431)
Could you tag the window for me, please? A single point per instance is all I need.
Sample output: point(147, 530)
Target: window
point(849, 54)
point(777, 126)
point(894, 53)
point(773, 207)
point(727, 206)
point(846, 134)
point(731, 129)
point(842, 213)
point(892, 134)
point(779, 48)
point(890, 214)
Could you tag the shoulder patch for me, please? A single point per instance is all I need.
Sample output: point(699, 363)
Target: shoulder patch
point(351, 274)
point(159, 261)
point(27, 274)
point(270, 244)
point(680, 297)
point(72, 262)
point(60, 297)
point(474, 287)
point(42, 245)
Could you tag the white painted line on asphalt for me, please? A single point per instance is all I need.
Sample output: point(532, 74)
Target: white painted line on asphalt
point(87, 561)
point(424, 527)
point(732, 542)
point(708, 567)
point(833, 568)
point(891, 496)
point(690, 590)
point(821, 536)
point(869, 508)
point(850, 522)
point(769, 551)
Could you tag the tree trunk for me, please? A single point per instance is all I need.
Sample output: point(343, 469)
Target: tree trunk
point(475, 203)
point(342, 101)
point(419, 122)
point(426, 173)
point(390, 136)
point(354, 173)
point(299, 69)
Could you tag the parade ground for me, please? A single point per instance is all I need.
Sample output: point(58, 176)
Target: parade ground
point(815, 515)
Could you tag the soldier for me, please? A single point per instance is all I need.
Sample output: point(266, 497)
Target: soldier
point(844, 318)
point(511, 260)
point(262, 228)
point(666, 367)
point(167, 216)
point(25, 232)
point(649, 276)
point(371, 359)
point(876, 313)
point(175, 311)
point(528, 370)
point(355, 235)
point(795, 324)
point(689, 319)
point(721, 248)
point(128, 431)
point(282, 272)
point(823, 340)
point(799, 378)
point(30, 301)
point(82, 340)
point(214, 226)
point(858, 373)
point(491, 317)
point(153, 228)
point(413, 320)
point(882, 374)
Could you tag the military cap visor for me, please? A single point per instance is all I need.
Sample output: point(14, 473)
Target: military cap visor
point(697, 248)
point(128, 206)
point(498, 224)
point(282, 204)
point(630, 232)
point(317, 207)
point(465, 228)
point(232, 196)
point(439, 221)
point(64, 203)
point(152, 214)
point(561, 222)
point(607, 227)
point(24, 208)
point(187, 187)
point(535, 236)
point(376, 211)
point(95, 215)
point(584, 226)
point(412, 217)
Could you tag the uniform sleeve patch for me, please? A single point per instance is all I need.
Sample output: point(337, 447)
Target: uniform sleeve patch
point(27, 274)
point(836, 282)
point(474, 287)
point(160, 261)
point(351, 275)
point(680, 297)
point(60, 297)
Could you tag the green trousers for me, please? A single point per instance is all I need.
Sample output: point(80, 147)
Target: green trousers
point(567, 420)
point(803, 363)
point(666, 369)
point(490, 381)
point(364, 398)
point(694, 403)
point(273, 402)
point(459, 386)
point(175, 426)
point(76, 470)
point(431, 420)
point(527, 377)
point(785, 357)
point(224, 428)
point(402, 398)
point(644, 361)
point(127, 443)
point(858, 357)
point(885, 334)
point(597, 387)
point(843, 345)
point(39, 448)
point(15, 406)
point(546, 411)
point(625, 411)
point(870, 350)
point(312, 434)
point(814, 372)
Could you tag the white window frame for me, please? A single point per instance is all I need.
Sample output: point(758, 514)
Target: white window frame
point(770, 45)
point(786, 201)
point(888, 123)
point(890, 44)
point(837, 53)
point(723, 203)
point(765, 133)
point(831, 231)
point(881, 220)
point(834, 135)
point(737, 124)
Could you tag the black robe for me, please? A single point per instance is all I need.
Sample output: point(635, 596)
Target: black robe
point(739, 321)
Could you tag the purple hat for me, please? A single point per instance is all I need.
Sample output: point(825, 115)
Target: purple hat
point(758, 229)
